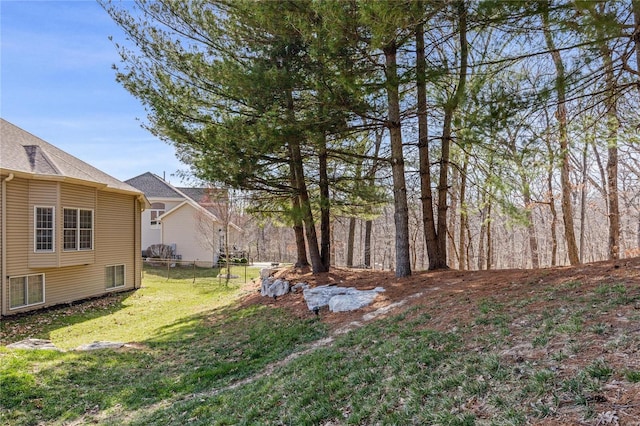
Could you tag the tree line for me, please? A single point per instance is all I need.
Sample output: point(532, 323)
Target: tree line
point(457, 113)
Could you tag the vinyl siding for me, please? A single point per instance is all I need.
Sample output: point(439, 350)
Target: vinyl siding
point(19, 238)
point(151, 235)
point(116, 240)
point(115, 234)
point(19, 234)
point(193, 241)
point(137, 237)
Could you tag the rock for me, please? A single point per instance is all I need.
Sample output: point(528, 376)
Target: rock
point(274, 288)
point(318, 297)
point(339, 299)
point(354, 299)
point(299, 287)
point(99, 345)
point(34, 344)
point(265, 273)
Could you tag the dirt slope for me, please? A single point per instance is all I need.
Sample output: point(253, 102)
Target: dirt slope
point(601, 301)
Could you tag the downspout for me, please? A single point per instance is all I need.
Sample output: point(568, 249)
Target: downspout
point(3, 244)
point(137, 232)
point(136, 253)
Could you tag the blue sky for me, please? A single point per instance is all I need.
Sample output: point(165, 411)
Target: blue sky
point(57, 83)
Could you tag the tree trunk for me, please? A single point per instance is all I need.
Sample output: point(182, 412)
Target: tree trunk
point(368, 227)
point(450, 108)
point(300, 187)
point(528, 204)
point(636, 35)
point(426, 196)
point(561, 113)
point(305, 207)
point(371, 177)
point(298, 225)
point(583, 200)
point(489, 240)
point(531, 229)
point(351, 241)
point(552, 199)
point(325, 218)
point(463, 214)
point(401, 208)
point(482, 260)
point(612, 151)
point(451, 227)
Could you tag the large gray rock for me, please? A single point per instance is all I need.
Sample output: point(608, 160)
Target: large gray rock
point(352, 301)
point(339, 299)
point(34, 344)
point(318, 297)
point(274, 287)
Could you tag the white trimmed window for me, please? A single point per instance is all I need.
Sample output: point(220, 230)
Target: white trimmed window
point(44, 231)
point(78, 229)
point(26, 290)
point(114, 276)
point(157, 210)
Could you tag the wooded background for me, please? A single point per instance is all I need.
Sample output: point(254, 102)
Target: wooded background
point(402, 134)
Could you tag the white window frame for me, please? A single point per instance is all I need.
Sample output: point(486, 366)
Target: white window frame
point(36, 229)
point(155, 223)
point(78, 229)
point(110, 278)
point(11, 307)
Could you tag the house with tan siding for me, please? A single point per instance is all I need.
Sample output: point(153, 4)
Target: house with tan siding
point(68, 230)
point(186, 219)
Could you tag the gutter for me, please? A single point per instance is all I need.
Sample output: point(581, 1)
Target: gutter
point(3, 244)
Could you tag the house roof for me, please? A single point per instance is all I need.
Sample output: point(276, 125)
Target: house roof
point(202, 199)
point(205, 195)
point(154, 186)
point(208, 213)
point(27, 155)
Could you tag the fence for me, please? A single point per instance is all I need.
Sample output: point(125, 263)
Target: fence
point(180, 268)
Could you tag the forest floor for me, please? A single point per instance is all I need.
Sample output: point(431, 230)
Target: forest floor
point(568, 319)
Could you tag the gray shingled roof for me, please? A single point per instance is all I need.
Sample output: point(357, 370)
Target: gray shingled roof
point(154, 186)
point(204, 195)
point(22, 152)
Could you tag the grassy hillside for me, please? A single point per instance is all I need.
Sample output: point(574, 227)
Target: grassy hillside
point(552, 346)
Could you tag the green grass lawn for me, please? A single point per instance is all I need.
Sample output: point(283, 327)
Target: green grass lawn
point(189, 337)
point(202, 359)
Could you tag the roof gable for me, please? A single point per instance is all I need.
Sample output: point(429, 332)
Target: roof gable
point(196, 207)
point(23, 153)
point(207, 195)
point(154, 186)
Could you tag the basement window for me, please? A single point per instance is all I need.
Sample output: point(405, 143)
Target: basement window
point(26, 290)
point(114, 276)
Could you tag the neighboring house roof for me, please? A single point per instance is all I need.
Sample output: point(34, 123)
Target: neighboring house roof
point(25, 154)
point(154, 186)
point(205, 195)
point(202, 199)
point(195, 206)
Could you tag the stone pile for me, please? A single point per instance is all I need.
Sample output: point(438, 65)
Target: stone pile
point(338, 299)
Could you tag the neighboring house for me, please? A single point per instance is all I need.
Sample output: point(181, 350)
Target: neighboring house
point(68, 231)
point(190, 220)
